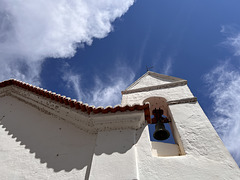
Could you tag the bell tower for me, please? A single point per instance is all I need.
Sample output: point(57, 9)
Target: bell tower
point(201, 153)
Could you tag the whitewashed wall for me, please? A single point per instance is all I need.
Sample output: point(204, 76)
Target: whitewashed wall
point(202, 153)
point(36, 144)
point(41, 139)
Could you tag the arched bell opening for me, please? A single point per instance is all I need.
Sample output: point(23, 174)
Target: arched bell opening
point(169, 146)
point(157, 102)
point(160, 131)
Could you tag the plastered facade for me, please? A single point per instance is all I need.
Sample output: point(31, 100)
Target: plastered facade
point(42, 139)
point(202, 153)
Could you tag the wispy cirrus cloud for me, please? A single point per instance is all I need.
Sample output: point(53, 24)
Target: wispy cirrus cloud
point(223, 81)
point(31, 31)
point(232, 38)
point(167, 68)
point(73, 82)
point(104, 92)
point(224, 89)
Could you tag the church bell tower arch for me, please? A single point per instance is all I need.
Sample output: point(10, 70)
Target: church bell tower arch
point(200, 146)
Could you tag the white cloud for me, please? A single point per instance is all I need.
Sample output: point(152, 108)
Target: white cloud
point(140, 55)
point(73, 82)
point(167, 68)
point(33, 30)
point(21, 70)
point(232, 39)
point(235, 43)
point(224, 86)
point(104, 93)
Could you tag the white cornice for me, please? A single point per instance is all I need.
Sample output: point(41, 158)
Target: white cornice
point(182, 101)
point(88, 122)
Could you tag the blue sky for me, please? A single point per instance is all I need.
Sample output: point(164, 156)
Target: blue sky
point(91, 50)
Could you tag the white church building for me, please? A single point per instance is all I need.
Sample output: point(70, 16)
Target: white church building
point(44, 135)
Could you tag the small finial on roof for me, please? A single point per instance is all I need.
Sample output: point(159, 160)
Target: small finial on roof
point(148, 68)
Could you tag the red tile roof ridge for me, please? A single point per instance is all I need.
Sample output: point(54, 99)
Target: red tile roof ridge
point(73, 103)
point(100, 107)
point(109, 106)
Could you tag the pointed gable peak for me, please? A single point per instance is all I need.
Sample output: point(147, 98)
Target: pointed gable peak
point(150, 79)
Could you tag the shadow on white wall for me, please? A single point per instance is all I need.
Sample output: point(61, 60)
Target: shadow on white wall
point(55, 142)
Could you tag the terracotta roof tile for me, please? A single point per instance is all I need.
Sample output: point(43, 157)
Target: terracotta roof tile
point(77, 104)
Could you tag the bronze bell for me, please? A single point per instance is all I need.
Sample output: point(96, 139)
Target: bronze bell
point(160, 133)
